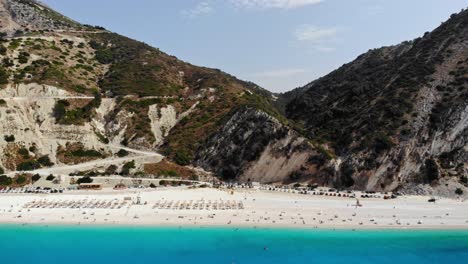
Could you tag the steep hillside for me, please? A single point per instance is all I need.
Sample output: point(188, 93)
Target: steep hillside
point(395, 116)
point(78, 93)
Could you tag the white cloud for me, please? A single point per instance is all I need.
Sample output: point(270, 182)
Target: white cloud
point(317, 39)
point(202, 8)
point(314, 34)
point(282, 4)
point(324, 49)
point(281, 73)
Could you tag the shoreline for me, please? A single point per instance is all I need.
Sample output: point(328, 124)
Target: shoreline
point(260, 209)
point(240, 227)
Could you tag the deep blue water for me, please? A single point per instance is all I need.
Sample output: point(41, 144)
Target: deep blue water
point(67, 244)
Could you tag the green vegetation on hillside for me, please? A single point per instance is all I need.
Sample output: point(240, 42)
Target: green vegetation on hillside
point(135, 68)
point(76, 116)
point(366, 103)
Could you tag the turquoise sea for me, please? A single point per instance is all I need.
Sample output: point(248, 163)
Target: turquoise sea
point(116, 245)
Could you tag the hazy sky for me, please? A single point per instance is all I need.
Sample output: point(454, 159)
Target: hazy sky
point(278, 44)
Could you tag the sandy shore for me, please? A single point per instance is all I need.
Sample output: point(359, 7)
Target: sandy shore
point(261, 209)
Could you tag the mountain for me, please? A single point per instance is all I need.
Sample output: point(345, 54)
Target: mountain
point(396, 117)
point(78, 100)
point(74, 94)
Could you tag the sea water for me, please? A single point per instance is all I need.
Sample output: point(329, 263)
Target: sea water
point(135, 245)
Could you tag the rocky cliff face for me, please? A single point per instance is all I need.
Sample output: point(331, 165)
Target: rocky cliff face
point(24, 15)
point(255, 146)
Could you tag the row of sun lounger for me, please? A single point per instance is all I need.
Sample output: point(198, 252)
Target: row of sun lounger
point(198, 205)
point(77, 204)
point(115, 204)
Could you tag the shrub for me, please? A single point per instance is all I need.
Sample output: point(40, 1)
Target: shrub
point(7, 63)
point(3, 75)
point(50, 177)
point(14, 44)
point(2, 170)
point(79, 88)
point(45, 161)
point(85, 179)
point(21, 180)
point(102, 138)
point(23, 57)
point(122, 153)
point(111, 170)
point(86, 153)
point(463, 179)
point(182, 157)
point(127, 167)
point(152, 185)
point(459, 191)
point(36, 177)
point(75, 116)
point(28, 166)
point(60, 109)
point(10, 138)
point(24, 152)
point(104, 56)
point(5, 180)
point(163, 182)
point(172, 173)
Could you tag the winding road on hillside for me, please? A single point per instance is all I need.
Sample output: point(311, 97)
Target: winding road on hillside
point(64, 170)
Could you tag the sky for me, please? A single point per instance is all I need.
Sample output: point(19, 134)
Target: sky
point(278, 44)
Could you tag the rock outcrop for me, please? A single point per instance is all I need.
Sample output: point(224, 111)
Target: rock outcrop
point(254, 146)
